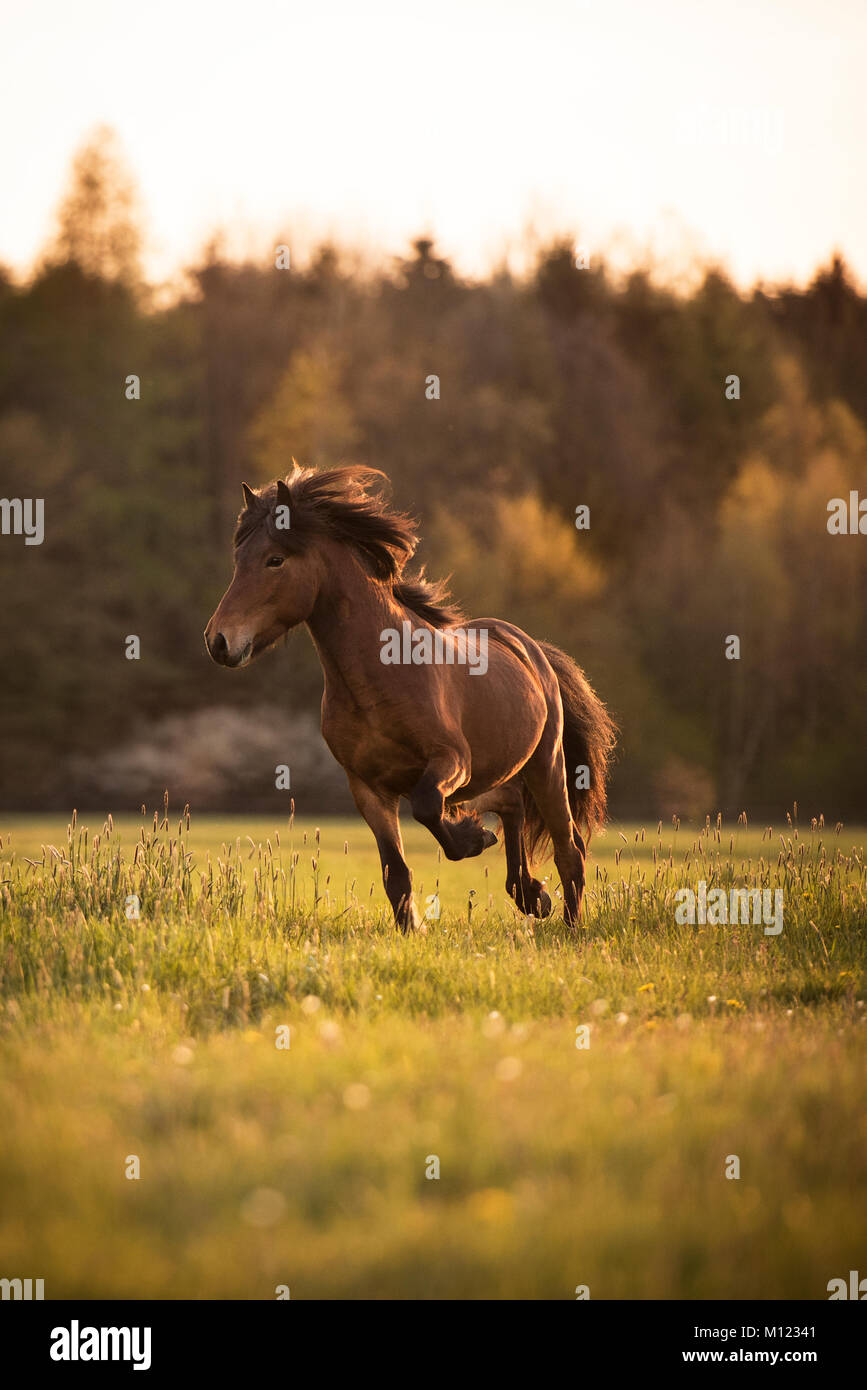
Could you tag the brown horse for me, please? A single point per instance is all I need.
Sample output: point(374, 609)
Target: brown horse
point(418, 703)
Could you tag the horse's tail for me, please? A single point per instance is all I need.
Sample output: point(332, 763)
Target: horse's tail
point(589, 736)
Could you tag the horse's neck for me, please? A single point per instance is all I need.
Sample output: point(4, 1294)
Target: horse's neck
point(347, 623)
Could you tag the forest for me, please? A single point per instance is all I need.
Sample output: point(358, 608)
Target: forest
point(572, 446)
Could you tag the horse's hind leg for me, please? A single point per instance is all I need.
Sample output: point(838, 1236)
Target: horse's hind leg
point(545, 776)
point(381, 814)
point(462, 837)
point(508, 803)
point(536, 897)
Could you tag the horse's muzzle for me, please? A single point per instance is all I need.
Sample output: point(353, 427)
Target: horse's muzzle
point(219, 651)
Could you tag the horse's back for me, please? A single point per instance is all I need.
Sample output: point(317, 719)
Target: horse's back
point(520, 644)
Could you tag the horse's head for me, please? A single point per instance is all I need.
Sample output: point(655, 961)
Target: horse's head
point(275, 584)
point(293, 539)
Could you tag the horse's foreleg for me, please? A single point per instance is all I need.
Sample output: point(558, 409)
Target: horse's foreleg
point(381, 814)
point(460, 838)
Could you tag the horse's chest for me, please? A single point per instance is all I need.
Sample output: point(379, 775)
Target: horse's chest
point(366, 747)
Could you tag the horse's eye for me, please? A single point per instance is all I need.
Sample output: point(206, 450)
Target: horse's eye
point(274, 561)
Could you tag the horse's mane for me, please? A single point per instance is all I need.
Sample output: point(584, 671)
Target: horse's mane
point(347, 504)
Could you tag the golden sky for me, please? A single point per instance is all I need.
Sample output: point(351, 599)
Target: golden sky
point(676, 128)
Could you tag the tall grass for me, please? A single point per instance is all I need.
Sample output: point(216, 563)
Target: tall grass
point(561, 1164)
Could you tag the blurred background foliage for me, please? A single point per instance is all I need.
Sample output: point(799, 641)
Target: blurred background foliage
point(560, 388)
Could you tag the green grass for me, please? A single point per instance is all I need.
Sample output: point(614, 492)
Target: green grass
point(559, 1165)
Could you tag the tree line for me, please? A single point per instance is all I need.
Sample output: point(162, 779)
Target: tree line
point(558, 389)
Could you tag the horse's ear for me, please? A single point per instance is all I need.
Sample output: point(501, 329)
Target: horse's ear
point(250, 498)
point(284, 496)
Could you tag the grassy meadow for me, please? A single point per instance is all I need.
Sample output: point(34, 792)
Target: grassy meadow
point(307, 1166)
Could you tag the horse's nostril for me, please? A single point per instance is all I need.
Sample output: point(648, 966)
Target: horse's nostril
point(219, 647)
